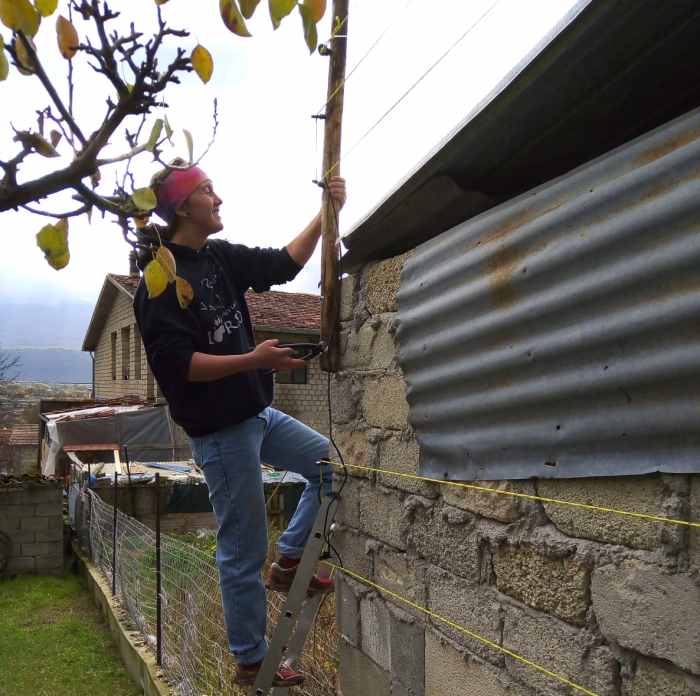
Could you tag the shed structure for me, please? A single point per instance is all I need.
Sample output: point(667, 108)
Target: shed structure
point(520, 315)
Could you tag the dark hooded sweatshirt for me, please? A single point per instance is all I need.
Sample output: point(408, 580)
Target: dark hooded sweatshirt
point(216, 322)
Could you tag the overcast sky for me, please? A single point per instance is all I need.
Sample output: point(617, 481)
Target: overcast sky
point(266, 152)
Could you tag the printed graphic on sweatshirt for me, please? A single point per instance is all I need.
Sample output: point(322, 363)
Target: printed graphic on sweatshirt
point(227, 317)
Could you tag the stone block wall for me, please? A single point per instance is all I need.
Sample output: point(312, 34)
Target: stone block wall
point(607, 602)
point(31, 527)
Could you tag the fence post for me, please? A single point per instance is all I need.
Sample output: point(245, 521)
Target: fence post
point(114, 535)
point(159, 628)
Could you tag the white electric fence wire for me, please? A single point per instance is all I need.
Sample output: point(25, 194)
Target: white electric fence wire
point(196, 659)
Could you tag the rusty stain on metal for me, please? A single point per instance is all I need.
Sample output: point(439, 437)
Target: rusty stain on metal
point(676, 142)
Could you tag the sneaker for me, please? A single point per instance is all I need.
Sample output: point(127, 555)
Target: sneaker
point(285, 675)
point(280, 579)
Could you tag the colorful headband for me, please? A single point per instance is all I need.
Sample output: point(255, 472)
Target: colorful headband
point(176, 189)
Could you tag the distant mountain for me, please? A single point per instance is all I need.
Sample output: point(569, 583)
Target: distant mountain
point(53, 365)
point(34, 325)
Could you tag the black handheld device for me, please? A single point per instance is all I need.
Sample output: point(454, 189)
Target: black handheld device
point(304, 351)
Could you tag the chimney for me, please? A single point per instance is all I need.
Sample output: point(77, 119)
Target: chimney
point(133, 268)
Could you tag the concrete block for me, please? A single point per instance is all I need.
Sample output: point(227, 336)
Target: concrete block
point(359, 676)
point(401, 574)
point(349, 503)
point(402, 455)
point(694, 537)
point(8, 524)
point(54, 509)
point(560, 648)
point(347, 598)
point(34, 524)
point(49, 564)
point(449, 671)
point(54, 534)
point(633, 493)
point(17, 511)
point(20, 564)
point(384, 402)
point(655, 677)
point(376, 630)
point(382, 516)
point(380, 283)
point(407, 653)
point(345, 395)
point(354, 549)
point(558, 586)
point(470, 606)
point(496, 506)
point(643, 608)
point(348, 287)
point(34, 549)
point(371, 347)
point(358, 450)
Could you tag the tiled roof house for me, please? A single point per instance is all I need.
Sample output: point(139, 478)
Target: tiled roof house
point(119, 360)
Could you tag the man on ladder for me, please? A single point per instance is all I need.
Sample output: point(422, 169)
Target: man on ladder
point(219, 386)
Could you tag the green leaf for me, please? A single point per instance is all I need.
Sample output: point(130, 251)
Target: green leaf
point(155, 278)
point(144, 199)
point(168, 131)
point(248, 7)
point(190, 145)
point(310, 32)
point(279, 9)
point(4, 65)
point(46, 7)
point(233, 19)
point(20, 15)
point(155, 135)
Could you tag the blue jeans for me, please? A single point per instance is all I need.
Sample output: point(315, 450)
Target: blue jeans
point(230, 459)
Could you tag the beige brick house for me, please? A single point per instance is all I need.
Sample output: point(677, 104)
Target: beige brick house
point(120, 367)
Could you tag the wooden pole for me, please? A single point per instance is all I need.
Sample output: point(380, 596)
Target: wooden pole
point(331, 157)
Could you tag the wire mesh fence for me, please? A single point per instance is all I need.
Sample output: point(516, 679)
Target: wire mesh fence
point(195, 656)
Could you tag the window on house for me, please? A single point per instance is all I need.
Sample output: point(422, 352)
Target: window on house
point(296, 376)
point(114, 355)
point(126, 352)
point(137, 353)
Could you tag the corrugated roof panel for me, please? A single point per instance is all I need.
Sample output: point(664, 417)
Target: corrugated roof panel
point(558, 335)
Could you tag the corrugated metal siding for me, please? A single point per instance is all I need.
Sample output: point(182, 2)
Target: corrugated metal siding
point(558, 335)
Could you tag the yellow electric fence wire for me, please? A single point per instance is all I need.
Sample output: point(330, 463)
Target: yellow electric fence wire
point(462, 629)
point(528, 496)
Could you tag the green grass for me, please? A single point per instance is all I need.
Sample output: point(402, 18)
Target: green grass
point(53, 643)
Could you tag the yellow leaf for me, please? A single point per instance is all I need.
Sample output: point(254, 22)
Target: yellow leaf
point(166, 259)
point(155, 135)
point(279, 9)
point(202, 63)
point(248, 7)
point(35, 142)
point(233, 19)
point(316, 9)
point(20, 15)
point(155, 279)
point(53, 241)
point(4, 65)
point(67, 37)
point(25, 63)
point(161, 2)
point(310, 32)
point(46, 7)
point(144, 199)
point(184, 291)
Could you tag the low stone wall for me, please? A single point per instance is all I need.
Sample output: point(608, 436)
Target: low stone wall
point(31, 527)
point(610, 603)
